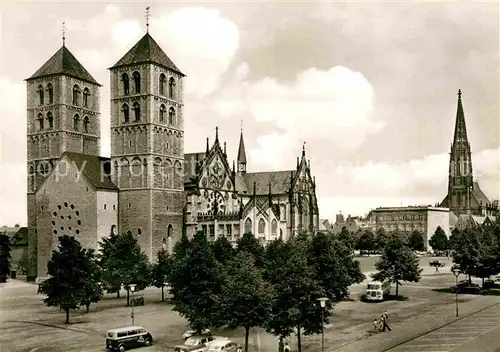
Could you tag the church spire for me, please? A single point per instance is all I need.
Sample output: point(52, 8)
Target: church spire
point(64, 33)
point(242, 157)
point(147, 19)
point(460, 128)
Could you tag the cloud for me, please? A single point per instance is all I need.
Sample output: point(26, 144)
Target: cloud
point(321, 107)
point(356, 188)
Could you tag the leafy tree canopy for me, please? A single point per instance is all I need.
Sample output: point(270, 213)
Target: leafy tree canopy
point(70, 267)
point(416, 241)
point(161, 271)
point(5, 257)
point(397, 263)
point(439, 240)
point(249, 243)
point(223, 250)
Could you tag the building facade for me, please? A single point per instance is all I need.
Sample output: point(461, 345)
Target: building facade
point(424, 219)
point(464, 196)
point(149, 186)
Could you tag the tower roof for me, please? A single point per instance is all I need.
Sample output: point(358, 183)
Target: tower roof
point(460, 128)
point(242, 156)
point(147, 50)
point(63, 62)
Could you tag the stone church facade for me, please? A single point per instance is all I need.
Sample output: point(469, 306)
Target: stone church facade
point(148, 186)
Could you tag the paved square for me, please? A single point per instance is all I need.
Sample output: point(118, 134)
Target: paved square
point(459, 333)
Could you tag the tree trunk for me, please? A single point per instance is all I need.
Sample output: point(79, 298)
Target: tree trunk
point(247, 333)
point(162, 293)
point(88, 307)
point(299, 344)
point(128, 297)
point(280, 344)
point(118, 293)
point(397, 288)
point(470, 279)
point(67, 315)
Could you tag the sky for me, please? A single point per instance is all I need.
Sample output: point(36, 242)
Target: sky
point(370, 87)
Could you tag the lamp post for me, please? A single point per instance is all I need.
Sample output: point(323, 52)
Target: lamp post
point(456, 272)
point(132, 289)
point(322, 302)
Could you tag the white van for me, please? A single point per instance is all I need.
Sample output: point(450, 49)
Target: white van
point(376, 290)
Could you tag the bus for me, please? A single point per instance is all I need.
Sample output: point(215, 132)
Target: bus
point(376, 290)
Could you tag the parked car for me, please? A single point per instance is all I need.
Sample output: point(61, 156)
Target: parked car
point(199, 340)
point(225, 345)
point(190, 333)
point(184, 348)
point(492, 282)
point(466, 287)
point(129, 337)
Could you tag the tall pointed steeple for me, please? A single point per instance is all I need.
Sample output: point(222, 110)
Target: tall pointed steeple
point(460, 127)
point(242, 156)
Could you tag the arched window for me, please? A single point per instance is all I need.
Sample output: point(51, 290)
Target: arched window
point(274, 227)
point(50, 120)
point(50, 90)
point(86, 123)
point(40, 94)
point(40, 122)
point(76, 122)
point(171, 88)
point(137, 112)
point(170, 231)
point(76, 93)
point(86, 93)
point(137, 82)
point(126, 115)
point(162, 81)
point(262, 227)
point(171, 115)
point(162, 112)
point(248, 225)
point(113, 229)
point(126, 90)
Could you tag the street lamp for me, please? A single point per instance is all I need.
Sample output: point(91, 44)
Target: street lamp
point(132, 289)
point(456, 272)
point(322, 303)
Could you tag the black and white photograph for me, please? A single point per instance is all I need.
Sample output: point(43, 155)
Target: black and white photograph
point(250, 176)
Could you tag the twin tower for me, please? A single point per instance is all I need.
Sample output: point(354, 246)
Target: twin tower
point(147, 139)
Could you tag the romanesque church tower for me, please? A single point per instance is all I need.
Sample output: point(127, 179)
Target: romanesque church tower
point(147, 145)
point(63, 104)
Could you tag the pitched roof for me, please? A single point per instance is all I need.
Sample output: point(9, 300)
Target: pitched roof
point(147, 50)
point(280, 181)
point(63, 62)
point(190, 160)
point(96, 169)
point(242, 156)
point(479, 194)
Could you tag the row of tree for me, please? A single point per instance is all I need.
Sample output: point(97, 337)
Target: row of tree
point(476, 250)
point(367, 241)
point(5, 257)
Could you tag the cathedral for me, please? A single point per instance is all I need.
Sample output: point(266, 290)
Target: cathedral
point(464, 197)
point(148, 186)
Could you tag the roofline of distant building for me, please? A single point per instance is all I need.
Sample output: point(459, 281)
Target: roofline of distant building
point(415, 208)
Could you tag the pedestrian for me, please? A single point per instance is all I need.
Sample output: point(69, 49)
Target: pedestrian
point(384, 322)
point(385, 314)
point(286, 348)
point(376, 326)
point(280, 345)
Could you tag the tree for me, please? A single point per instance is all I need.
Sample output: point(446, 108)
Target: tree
point(223, 250)
point(295, 292)
point(334, 266)
point(347, 238)
point(250, 244)
point(381, 239)
point(93, 286)
point(397, 263)
point(160, 271)
point(366, 241)
point(246, 296)
point(69, 268)
point(466, 250)
point(416, 241)
point(196, 281)
point(439, 240)
point(111, 278)
point(126, 264)
point(4, 257)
